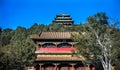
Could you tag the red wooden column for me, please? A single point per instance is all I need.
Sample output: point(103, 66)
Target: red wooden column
point(56, 45)
point(34, 67)
point(73, 68)
point(88, 68)
point(93, 68)
point(72, 45)
point(56, 67)
point(37, 48)
point(40, 66)
point(41, 45)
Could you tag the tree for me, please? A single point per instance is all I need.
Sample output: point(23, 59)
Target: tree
point(5, 37)
point(17, 49)
point(98, 40)
point(35, 29)
point(6, 59)
point(116, 44)
point(22, 48)
point(56, 27)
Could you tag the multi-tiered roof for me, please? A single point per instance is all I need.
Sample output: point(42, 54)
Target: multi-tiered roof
point(64, 19)
point(56, 50)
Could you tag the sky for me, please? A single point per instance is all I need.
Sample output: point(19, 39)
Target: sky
point(25, 13)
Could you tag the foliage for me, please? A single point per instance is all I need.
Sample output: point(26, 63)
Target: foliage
point(5, 37)
point(99, 41)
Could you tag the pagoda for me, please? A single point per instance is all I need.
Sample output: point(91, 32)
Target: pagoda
point(63, 19)
point(55, 51)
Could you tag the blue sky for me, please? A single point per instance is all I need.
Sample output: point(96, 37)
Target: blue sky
point(25, 13)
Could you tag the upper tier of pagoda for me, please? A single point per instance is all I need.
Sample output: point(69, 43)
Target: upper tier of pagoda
point(64, 19)
point(54, 42)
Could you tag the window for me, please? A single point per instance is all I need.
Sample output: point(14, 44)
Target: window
point(48, 45)
point(64, 45)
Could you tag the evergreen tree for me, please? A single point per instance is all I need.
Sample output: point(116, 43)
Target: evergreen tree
point(98, 40)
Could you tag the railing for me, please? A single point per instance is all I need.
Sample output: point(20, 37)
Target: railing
point(60, 57)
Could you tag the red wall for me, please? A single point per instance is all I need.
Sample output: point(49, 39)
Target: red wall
point(56, 49)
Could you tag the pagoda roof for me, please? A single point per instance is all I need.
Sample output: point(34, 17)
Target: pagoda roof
point(52, 35)
point(63, 20)
point(63, 15)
